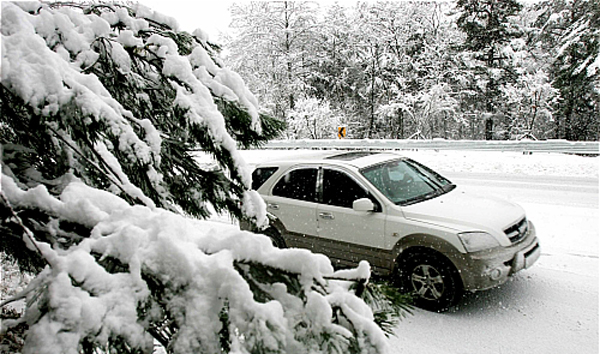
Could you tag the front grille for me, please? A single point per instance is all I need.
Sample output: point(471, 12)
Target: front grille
point(518, 231)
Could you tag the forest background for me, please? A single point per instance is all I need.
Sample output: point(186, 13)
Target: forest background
point(468, 69)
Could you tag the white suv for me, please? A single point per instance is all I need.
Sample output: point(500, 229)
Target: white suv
point(406, 220)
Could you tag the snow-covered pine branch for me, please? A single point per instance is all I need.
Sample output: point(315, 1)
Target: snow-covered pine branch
point(145, 274)
point(103, 107)
point(118, 95)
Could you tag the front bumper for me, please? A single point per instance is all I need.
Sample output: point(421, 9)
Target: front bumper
point(490, 268)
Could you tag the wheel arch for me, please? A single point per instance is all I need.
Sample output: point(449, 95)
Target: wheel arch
point(423, 243)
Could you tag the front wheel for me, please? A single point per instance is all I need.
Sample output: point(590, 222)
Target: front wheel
point(432, 279)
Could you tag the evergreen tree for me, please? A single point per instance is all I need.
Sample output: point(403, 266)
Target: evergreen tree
point(570, 31)
point(488, 28)
point(105, 108)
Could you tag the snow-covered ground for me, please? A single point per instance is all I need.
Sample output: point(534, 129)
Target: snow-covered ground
point(537, 164)
point(549, 308)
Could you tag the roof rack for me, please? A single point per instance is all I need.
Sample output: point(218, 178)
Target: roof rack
point(353, 155)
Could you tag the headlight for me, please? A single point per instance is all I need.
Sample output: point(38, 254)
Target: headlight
point(477, 241)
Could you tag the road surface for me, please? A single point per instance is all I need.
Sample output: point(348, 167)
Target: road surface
point(549, 308)
point(566, 191)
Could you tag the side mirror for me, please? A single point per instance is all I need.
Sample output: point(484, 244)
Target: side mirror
point(363, 204)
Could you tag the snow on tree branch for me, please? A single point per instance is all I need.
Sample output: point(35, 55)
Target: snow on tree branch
point(120, 89)
point(141, 268)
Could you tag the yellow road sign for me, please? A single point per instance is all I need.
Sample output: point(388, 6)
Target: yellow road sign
point(341, 132)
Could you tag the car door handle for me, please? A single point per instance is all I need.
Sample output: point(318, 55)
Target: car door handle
point(273, 206)
point(327, 216)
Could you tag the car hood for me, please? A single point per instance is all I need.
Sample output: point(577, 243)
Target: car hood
point(464, 211)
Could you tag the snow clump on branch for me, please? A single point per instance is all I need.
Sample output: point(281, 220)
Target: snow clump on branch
point(58, 57)
point(205, 267)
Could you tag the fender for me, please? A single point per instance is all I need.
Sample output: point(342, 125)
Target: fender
point(428, 242)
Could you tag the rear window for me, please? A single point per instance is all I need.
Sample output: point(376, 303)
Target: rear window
point(261, 175)
point(298, 184)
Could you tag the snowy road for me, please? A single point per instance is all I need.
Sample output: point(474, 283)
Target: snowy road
point(563, 190)
point(549, 308)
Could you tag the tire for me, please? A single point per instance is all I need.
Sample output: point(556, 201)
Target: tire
point(432, 279)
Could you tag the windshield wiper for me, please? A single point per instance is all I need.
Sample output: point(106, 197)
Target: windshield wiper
point(419, 198)
point(435, 193)
point(447, 188)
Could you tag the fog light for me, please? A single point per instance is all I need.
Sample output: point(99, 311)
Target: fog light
point(495, 274)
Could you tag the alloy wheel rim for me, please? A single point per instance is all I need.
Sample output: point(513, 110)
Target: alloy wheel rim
point(427, 282)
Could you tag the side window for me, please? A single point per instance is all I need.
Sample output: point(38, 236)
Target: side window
point(339, 189)
point(261, 175)
point(298, 184)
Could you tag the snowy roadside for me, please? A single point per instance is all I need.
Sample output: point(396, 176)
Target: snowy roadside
point(537, 164)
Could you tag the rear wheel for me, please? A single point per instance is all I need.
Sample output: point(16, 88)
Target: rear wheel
point(432, 279)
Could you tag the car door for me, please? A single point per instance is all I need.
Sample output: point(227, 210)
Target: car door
point(337, 221)
point(293, 200)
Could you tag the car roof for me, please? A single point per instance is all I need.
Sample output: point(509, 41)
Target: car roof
point(358, 158)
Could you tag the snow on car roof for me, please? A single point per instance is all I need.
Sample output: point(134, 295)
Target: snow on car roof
point(358, 159)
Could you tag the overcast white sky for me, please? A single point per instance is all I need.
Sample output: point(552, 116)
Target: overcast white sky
point(212, 16)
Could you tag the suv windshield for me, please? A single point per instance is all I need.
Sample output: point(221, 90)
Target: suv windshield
point(405, 181)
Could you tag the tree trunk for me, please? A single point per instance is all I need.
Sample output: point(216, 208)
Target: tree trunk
point(489, 129)
point(288, 47)
point(372, 119)
point(445, 126)
point(401, 124)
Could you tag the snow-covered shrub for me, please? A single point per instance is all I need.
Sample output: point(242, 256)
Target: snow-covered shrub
point(103, 107)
